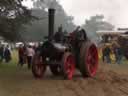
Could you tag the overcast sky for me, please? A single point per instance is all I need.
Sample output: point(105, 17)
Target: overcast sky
point(115, 11)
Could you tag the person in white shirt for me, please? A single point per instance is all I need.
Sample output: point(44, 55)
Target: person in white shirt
point(30, 53)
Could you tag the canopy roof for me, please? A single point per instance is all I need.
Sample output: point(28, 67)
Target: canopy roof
point(110, 32)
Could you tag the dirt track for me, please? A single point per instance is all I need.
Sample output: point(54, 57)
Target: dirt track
point(111, 80)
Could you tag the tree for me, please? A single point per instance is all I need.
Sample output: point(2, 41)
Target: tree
point(39, 28)
point(12, 17)
point(61, 18)
point(96, 23)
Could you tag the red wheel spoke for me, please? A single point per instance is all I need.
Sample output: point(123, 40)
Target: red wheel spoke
point(69, 66)
point(38, 68)
point(91, 59)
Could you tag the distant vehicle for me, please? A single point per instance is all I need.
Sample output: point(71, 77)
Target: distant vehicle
point(118, 37)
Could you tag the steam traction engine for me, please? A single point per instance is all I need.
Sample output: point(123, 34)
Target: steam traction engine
point(65, 55)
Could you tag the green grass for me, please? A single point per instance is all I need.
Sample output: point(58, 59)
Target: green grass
point(12, 70)
point(12, 64)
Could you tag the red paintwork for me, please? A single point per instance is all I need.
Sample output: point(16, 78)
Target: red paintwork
point(91, 60)
point(69, 66)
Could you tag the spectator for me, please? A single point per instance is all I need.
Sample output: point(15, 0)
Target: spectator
point(103, 54)
point(118, 54)
point(21, 55)
point(106, 54)
point(38, 48)
point(25, 53)
point(1, 53)
point(30, 54)
point(7, 54)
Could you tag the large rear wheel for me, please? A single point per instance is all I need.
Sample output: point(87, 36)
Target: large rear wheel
point(68, 65)
point(88, 59)
point(38, 66)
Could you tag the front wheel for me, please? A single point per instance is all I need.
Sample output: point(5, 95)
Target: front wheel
point(68, 65)
point(38, 67)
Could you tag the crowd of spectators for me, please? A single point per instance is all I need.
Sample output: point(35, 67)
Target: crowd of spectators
point(116, 50)
point(26, 54)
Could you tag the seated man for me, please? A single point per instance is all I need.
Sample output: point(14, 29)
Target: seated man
point(59, 36)
point(82, 35)
point(79, 34)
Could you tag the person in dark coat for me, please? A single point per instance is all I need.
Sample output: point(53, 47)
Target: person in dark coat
point(21, 55)
point(7, 54)
point(1, 53)
point(106, 54)
point(59, 35)
point(118, 54)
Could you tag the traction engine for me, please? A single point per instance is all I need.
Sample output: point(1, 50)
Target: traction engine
point(65, 55)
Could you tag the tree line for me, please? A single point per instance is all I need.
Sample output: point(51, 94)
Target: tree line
point(18, 23)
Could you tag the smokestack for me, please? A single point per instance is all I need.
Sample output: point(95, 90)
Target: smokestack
point(51, 13)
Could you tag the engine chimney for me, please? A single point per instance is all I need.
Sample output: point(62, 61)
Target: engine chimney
point(51, 14)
